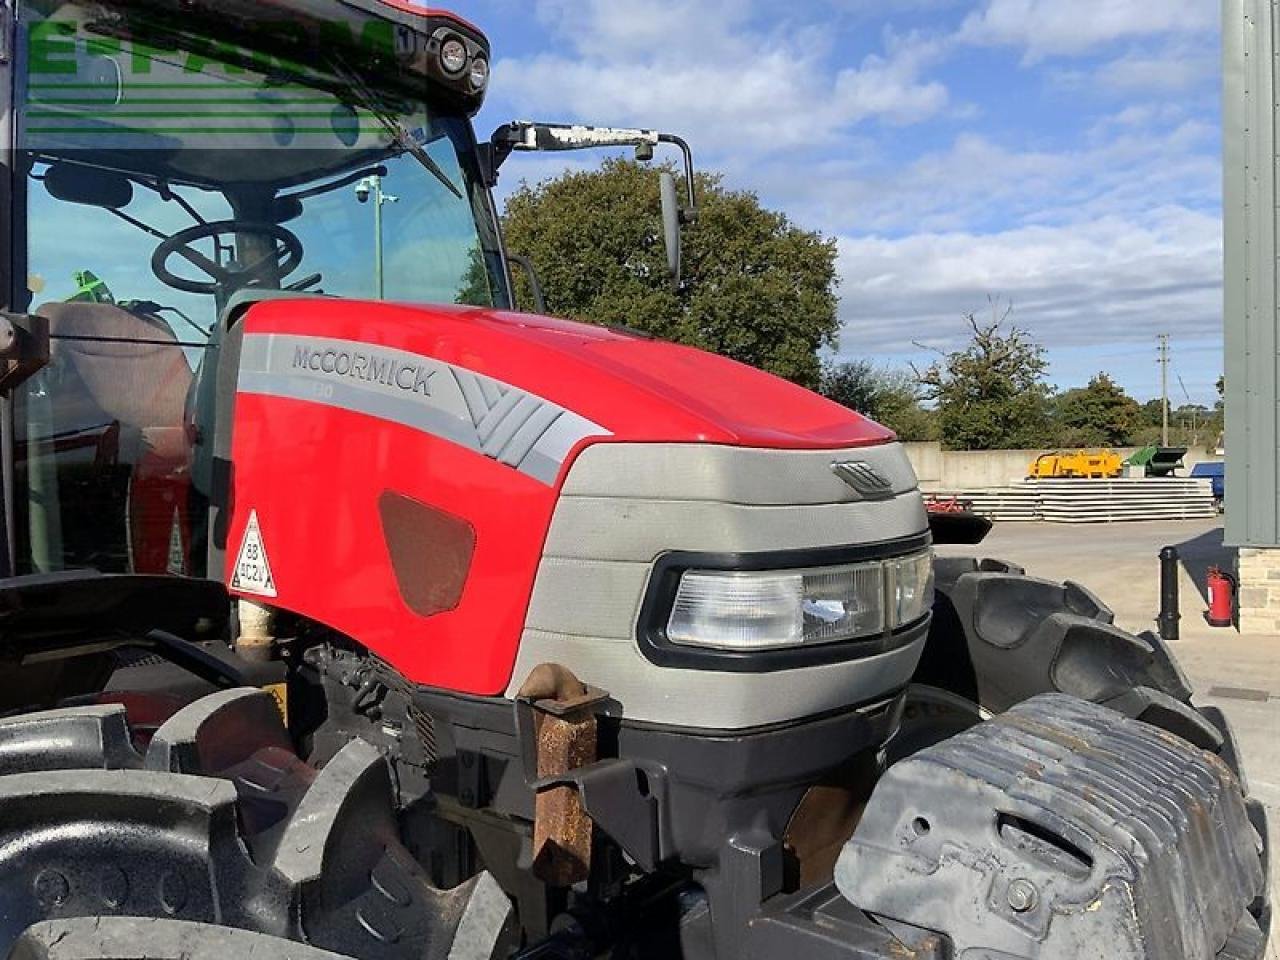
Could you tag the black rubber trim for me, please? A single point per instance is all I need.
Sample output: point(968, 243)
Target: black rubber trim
point(871, 711)
point(651, 631)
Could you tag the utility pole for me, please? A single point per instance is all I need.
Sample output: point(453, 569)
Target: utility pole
point(1164, 389)
point(370, 188)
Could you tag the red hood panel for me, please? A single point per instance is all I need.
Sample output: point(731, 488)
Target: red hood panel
point(373, 487)
point(639, 389)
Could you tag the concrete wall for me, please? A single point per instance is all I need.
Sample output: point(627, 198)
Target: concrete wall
point(955, 470)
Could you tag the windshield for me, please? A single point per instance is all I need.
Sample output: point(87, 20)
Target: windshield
point(165, 173)
point(185, 137)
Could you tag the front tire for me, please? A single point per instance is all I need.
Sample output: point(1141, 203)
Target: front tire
point(218, 825)
point(1000, 637)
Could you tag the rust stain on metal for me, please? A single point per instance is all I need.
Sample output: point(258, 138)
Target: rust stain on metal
point(1046, 732)
point(566, 740)
point(551, 681)
point(824, 819)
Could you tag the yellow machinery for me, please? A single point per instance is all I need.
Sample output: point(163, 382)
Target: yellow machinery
point(1095, 464)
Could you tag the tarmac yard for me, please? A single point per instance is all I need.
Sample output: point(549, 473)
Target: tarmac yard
point(1119, 562)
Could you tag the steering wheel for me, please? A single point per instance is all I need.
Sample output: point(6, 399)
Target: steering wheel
point(285, 256)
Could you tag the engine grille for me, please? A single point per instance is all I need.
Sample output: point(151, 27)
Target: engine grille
point(1062, 829)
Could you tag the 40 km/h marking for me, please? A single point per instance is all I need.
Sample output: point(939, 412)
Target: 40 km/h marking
point(252, 573)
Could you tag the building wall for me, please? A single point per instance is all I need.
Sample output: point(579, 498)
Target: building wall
point(1250, 219)
point(957, 470)
point(1251, 147)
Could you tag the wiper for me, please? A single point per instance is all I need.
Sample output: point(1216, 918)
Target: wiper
point(407, 141)
point(401, 137)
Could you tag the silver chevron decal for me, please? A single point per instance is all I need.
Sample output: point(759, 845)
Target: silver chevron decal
point(502, 422)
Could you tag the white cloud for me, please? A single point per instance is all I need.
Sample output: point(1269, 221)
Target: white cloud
point(1109, 279)
point(890, 86)
point(1102, 237)
point(714, 69)
point(977, 184)
point(1070, 27)
point(1167, 70)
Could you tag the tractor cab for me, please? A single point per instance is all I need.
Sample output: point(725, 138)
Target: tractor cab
point(172, 160)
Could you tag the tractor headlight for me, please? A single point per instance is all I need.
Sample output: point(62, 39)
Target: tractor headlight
point(912, 579)
point(479, 74)
point(768, 610)
point(453, 56)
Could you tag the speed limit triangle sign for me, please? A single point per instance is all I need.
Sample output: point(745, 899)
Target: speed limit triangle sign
point(253, 570)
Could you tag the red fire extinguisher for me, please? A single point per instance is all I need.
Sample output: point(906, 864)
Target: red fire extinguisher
point(1222, 597)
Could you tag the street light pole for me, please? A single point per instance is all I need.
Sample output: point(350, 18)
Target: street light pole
point(379, 284)
point(371, 188)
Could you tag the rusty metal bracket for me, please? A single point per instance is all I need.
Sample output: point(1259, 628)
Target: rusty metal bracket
point(556, 726)
point(622, 798)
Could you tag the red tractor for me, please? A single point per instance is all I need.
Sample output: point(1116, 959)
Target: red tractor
point(348, 611)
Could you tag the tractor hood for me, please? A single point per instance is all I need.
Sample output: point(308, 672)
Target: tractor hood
point(635, 388)
point(411, 470)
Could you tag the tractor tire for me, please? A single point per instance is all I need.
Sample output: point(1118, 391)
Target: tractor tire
point(1000, 637)
point(127, 938)
point(215, 839)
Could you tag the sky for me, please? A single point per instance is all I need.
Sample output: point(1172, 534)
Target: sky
point(1063, 156)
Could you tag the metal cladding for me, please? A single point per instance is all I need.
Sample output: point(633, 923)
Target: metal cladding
point(1251, 144)
point(1062, 829)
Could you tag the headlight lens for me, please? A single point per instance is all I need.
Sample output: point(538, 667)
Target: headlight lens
point(733, 610)
point(453, 55)
point(479, 73)
point(913, 587)
point(737, 611)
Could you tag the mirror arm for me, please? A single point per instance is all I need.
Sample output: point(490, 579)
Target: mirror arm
point(535, 284)
point(495, 153)
point(690, 213)
point(522, 135)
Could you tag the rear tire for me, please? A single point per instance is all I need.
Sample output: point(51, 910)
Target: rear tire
point(218, 825)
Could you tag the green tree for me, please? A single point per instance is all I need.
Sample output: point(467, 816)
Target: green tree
point(474, 289)
point(890, 397)
point(1097, 415)
point(991, 395)
point(758, 288)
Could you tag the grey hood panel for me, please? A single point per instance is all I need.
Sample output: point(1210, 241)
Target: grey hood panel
point(641, 530)
point(625, 505)
point(669, 471)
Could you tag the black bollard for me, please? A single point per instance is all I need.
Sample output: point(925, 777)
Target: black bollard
point(1169, 615)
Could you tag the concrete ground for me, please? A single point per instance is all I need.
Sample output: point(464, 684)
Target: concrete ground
point(1119, 563)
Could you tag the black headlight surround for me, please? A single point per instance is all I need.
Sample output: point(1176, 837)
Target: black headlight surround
point(664, 582)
